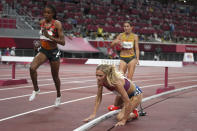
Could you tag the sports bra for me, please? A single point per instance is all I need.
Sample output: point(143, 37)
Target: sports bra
point(126, 85)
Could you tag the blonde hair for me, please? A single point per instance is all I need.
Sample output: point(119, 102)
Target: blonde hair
point(112, 75)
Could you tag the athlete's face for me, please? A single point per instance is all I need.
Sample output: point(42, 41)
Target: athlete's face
point(127, 27)
point(100, 76)
point(48, 13)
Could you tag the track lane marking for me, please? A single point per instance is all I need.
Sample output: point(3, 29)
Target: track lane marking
point(76, 88)
point(89, 80)
point(39, 109)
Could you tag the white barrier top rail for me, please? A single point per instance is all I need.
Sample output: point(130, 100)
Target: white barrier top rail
point(161, 63)
point(141, 62)
point(103, 61)
point(16, 59)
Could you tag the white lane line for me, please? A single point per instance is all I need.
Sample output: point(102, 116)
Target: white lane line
point(94, 122)
point(171, 77)
point(39, 109)
point(90, 75)
point(49, 78)
point(45, 108)
point(13, 88)
point(170, 83)
point(41, 93)
point(83, 87)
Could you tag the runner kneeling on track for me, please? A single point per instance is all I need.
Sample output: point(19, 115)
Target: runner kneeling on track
point(129, 96)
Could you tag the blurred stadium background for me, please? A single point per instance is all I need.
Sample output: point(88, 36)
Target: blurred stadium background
point(166, 28)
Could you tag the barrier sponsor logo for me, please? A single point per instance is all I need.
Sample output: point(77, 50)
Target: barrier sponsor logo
point(191, 48)
point(110, 62)
point(188, 57)
point(147, 47)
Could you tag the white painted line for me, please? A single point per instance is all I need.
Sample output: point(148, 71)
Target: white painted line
point(94, 122)
point(170, 83)
point(13, 88)
point(46, 77)
point(76, 88)
point(39, 109)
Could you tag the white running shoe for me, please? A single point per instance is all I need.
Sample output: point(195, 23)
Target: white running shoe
point(57, 101)
point(33, 95)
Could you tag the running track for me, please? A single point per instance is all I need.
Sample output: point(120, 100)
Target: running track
point(78, 88)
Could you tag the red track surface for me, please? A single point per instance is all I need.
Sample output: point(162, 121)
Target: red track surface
point(178, 113)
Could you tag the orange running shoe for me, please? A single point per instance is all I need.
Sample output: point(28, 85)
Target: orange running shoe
point(112, 108)
point(135, 111)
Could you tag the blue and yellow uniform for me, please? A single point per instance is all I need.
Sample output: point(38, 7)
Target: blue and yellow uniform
point(128, 43)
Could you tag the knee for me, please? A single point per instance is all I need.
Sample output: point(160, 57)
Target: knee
point(56, 79)
point(32, 69)
point(130, 76)
point(118, 118)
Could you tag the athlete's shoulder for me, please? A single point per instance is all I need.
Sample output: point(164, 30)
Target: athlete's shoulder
point(121, 34)
point(118, 36)
point(41, 21)
point(57, 22)
point(135, 34)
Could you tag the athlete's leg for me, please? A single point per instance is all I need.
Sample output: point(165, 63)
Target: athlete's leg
point(55, 74)
point(118, 101)
point(123, 67)
point(131, 68)
point(135, 101)
point(39, 59)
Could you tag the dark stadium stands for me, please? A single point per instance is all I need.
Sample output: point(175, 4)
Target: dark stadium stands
point(7, 23)
point(148, 17)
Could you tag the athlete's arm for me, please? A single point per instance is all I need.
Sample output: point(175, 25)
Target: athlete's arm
point(137, 48)
point(116, 41)
point(98, 99)
point(120, 89)
point(41, 21)
point(97, 104)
